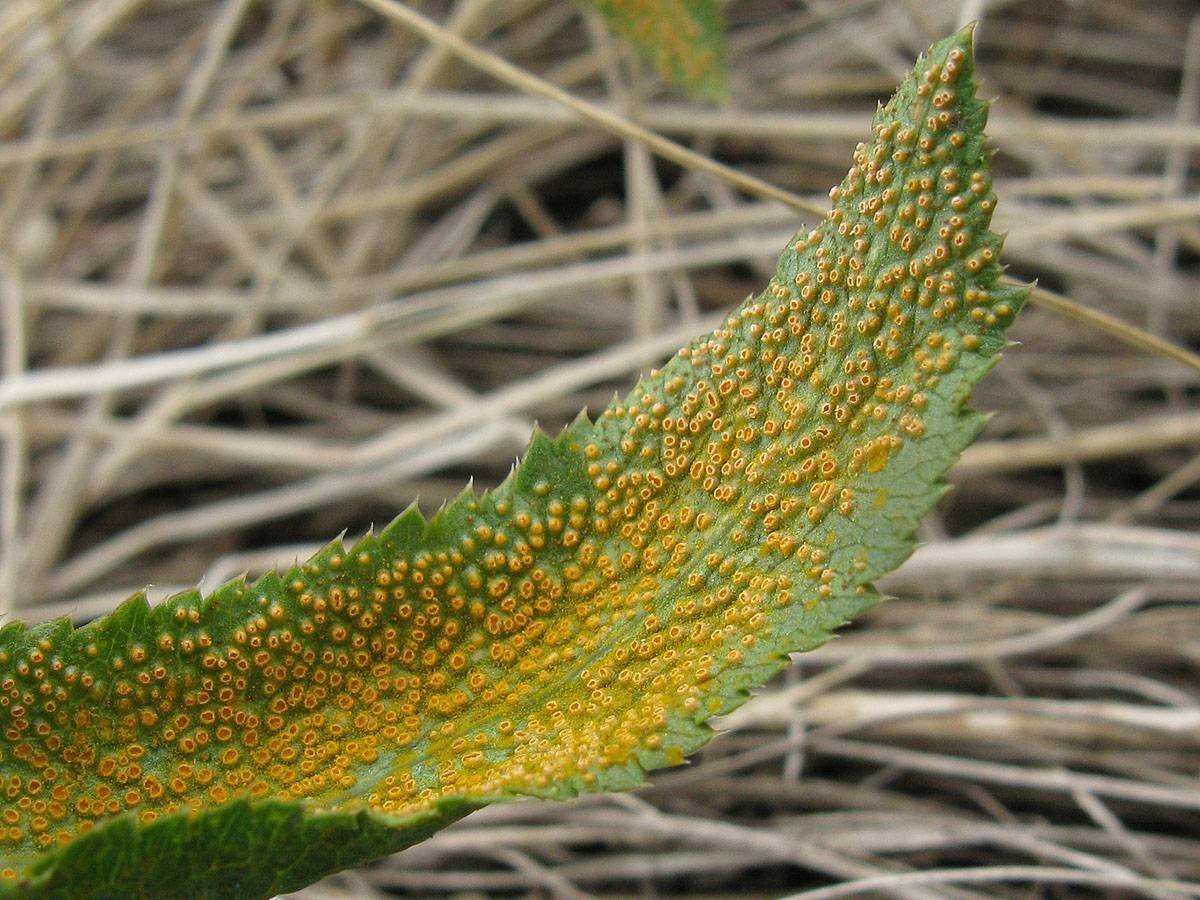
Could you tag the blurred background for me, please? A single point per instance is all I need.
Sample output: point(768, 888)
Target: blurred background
point(272, 271)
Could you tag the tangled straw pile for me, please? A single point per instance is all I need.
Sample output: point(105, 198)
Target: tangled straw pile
point(269, 270)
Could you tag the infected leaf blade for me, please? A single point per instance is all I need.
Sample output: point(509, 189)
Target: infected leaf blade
point(570, 630)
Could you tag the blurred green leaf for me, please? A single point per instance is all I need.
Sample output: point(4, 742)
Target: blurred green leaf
point(684, 39)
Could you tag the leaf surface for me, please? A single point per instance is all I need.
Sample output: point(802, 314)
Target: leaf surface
point(568, 631)
point(684, 39)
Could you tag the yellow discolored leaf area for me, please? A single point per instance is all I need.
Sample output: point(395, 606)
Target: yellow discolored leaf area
point(571, 629)
point(685, 39)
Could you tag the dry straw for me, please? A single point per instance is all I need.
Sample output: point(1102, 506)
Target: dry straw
point(271, 271)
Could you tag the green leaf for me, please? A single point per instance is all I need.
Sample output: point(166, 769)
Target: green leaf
point(685, 39)
point(572, 629)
